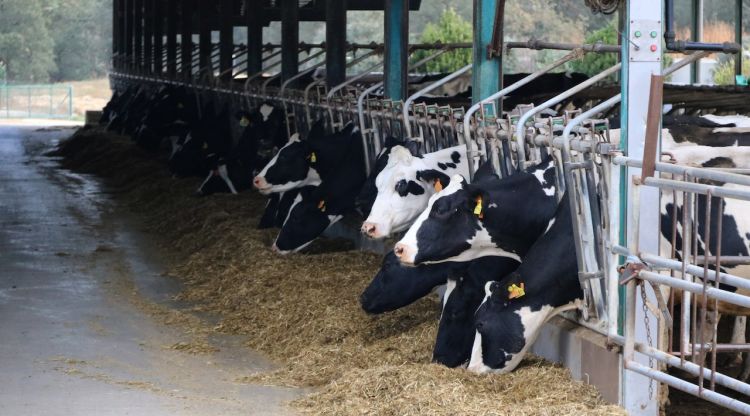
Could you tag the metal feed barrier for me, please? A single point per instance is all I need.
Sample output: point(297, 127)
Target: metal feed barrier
point(590, 165)
point(36, 101)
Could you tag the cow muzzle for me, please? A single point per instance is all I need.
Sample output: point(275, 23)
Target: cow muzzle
point(371, 230)
point(405, 254)
point(260, 184)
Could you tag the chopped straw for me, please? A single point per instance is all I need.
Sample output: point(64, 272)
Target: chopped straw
point(302, 310)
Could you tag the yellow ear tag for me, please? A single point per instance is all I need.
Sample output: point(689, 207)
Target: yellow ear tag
point(478, 208)
point(244, 122)
point(438, 185)
point(313, 158)
point(515, 291)
point(322, 206)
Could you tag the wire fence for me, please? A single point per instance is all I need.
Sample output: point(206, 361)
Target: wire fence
point(36, 101)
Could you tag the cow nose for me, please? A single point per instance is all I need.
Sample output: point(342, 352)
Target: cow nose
point(256, 181)
point(369, 229)
point(400, 250)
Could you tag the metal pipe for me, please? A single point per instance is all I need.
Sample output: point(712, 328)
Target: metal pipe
point(683, 385)
point(427, 89)
point(521, 131)
point(302, 62)
point(536, 44)
point(711, 292)
point(697, 271)
point(698, 188)
point(682, 45)
point(715, 175)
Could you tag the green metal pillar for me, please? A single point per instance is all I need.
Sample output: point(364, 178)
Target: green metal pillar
point(738, 36)
point(335, 42)
point(396, 48)
point(486, 75)
point(289, 39)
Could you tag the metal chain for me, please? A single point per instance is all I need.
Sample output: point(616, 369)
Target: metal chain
point(648, 337)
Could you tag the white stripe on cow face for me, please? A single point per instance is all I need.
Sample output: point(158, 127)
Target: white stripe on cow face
point(225, 176)
point(265, 111)
point(450, 286)
point(476, 362)
point(410, 238)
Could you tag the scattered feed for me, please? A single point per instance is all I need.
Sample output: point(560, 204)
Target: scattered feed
point(302, 310)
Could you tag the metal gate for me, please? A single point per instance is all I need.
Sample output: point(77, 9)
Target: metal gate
point(36, 101)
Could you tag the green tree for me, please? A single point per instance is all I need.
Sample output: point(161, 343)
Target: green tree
point(594, 63)
point(26, 46)
point(450, 28)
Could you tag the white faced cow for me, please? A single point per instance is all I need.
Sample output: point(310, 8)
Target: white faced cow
point(406, 184)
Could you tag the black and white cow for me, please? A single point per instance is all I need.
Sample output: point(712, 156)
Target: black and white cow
point(369, 192)
point(317, 208)
point(406, 184)
point(306, 162)
point(277, 209)
point(465, 221)
point(463, 295)
point(514, 309)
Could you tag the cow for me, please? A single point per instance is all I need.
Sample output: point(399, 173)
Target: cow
point(318, 207)
point(301, 163)
point(463, 295)
point(369, 192)
point(406, 184)
point(277, 209)
point(514, 308)
point(494, 217)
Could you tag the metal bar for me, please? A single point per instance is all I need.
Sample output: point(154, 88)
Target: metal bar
point(694, 270)
point(653, 123)
point(715, 175)
point(486, 74)
point(698, 188)
point(226, 39)
point(675, 382)
point(148, 36)
point(205, 46)
point(738, 36)
point(711, 292)
point(186, 37)
point(396, 48)
point(535, 44)
point(289, 38)
point(254, 39)
point(335, 41)
point(157, 23)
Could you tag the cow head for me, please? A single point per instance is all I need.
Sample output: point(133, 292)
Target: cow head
point(506, 325)
point(464, 294)
point(308, 217)
point(490, 217)
point(396, 285)
point(289, 169)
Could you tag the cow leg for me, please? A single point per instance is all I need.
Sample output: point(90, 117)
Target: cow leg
point(738, 337)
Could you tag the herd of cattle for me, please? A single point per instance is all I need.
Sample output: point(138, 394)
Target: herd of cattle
point(501, 247)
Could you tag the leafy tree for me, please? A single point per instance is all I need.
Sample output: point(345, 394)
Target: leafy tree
point(723, 73)
point(25, 43)
point(450, 28)
point(594, 63)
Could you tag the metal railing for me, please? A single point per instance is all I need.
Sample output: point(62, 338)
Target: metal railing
point(36, 101)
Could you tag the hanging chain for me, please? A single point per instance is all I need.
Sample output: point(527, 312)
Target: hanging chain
point(646, 322)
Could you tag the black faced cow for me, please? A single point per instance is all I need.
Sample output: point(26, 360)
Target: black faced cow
point(496, 217)
point(514, 309)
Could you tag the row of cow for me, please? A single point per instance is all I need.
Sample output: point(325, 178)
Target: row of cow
point(502, 247)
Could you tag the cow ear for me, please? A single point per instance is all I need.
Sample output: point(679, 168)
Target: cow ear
point(348, 129)
point(413, 147)
point(317, 131)
point(485, 172)
point(432, 176)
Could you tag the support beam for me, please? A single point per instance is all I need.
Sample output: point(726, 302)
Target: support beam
point(205, 15)
point(138, 35)
point(289, 39)
point(186, 17)
point(486, 75)
point(148, 36)
point(158, 25)
point(172, 19)
point(639, 65)
point(335, 42)
point(226, 38)
point(697, 29)
point(254, 38)
point(396, 48)
point(738, 36)
point(128, 39)
point(115, 31)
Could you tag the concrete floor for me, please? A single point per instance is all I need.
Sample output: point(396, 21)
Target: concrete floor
point(78, 291)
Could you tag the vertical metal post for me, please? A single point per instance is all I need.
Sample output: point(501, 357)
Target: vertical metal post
point(644, 17)
point(738, 37)
point(289, 38)
point(335, 42)
point(138, 35)
point(157, 23)
point(172, 19)
point(226, 38)
point(129, 24)
point(697, 37)
point(486, 73)
point(396, 48)
point(254, 38)
point(205, 15)
point(187, 37)
point(115, 30)
point(148, 36)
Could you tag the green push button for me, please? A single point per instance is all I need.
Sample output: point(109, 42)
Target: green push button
point(637, 33)
point(654, 34)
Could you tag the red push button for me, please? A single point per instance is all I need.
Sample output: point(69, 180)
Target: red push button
point(653, 48)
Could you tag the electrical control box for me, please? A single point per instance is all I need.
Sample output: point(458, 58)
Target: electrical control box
point(645, 40)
